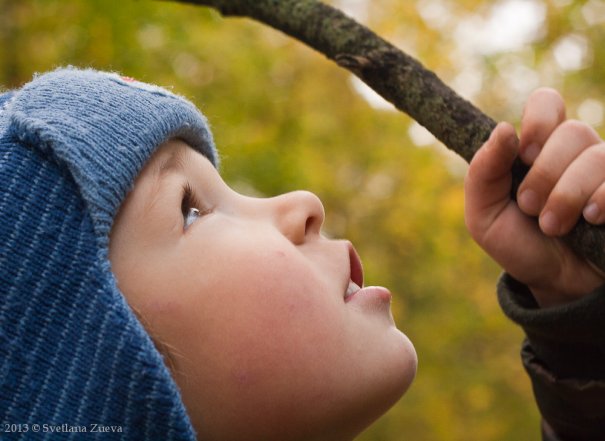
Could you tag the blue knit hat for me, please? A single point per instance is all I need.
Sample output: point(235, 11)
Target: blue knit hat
point(73, 354)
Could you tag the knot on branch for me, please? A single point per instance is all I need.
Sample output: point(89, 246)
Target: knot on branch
point(372, 60)
point(354, 63)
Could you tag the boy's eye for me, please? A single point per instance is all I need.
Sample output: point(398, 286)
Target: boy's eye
point(191, 216)
point(188, 206)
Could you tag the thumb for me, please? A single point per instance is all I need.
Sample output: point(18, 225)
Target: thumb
point(488, 181)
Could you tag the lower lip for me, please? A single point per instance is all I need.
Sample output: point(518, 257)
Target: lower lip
point(374, 294)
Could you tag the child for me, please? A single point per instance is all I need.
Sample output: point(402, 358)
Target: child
point(261, 320)
point(142, 296)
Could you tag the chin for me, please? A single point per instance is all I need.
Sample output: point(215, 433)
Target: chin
point(390, 384)
point(408, 363)
point(399, 374)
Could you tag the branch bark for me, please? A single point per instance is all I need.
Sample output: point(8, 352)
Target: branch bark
point(398, 78)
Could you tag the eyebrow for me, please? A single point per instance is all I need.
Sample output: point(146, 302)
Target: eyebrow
point(173, 164)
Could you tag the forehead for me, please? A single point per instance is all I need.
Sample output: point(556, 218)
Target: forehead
point(173, 155)
point(170, 157)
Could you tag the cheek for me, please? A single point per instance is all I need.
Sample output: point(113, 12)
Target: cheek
point(258, 336)
point(270, 303)
point(258, 301)
point(253, 300)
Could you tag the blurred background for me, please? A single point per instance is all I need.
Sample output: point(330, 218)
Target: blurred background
point(285, 118)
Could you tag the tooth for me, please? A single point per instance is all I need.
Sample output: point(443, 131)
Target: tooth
point(352, 288)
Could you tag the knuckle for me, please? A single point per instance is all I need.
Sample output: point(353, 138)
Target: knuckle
point(550, 96)
point(566, 197)
point(567, 206)
point(599, 195)
point(540, 178)
point(546, 89)
point(597, 153)
point(571, 125)
point(548, 93)
point(576, 129)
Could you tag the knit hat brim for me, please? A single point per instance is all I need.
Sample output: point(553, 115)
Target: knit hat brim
point(103, 127)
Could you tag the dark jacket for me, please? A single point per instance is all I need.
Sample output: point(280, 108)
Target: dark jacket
point(564, 355)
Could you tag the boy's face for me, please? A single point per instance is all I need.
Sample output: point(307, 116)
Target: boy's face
point(249, 301)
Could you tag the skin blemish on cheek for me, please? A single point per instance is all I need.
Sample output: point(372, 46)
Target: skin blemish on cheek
point(243, 377)
point(281, 254)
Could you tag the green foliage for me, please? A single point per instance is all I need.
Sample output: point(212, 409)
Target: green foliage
point(285, 118)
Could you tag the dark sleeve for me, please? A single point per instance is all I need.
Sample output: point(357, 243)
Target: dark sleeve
point(564, 355)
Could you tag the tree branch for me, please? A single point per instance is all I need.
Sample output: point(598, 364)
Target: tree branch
point(398, 78)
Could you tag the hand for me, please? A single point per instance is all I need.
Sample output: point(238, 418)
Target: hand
point(566, 180)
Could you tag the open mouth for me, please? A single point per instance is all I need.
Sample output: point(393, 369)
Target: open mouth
point(356, 273)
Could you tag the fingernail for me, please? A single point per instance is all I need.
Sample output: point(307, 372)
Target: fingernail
point(591, 213)
point(530, 153)
point(549, 223)
point(529, 202)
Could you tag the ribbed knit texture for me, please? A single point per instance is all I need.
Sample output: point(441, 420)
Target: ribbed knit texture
point(73, 353)
point(564, 355)
point(569, 338)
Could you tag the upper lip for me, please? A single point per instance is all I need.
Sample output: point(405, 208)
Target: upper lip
point(356, 269)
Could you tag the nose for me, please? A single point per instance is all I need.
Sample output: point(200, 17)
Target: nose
point(298, 215)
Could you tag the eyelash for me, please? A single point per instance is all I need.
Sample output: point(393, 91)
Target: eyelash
point(189, 201)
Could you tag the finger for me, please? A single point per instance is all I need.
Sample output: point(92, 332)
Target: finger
point(567, 141)
point(572, 193)
point(543, 112)
point(488, 181)
point(594, 212)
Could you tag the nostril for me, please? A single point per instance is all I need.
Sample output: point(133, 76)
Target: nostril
point(309, 224)
point(299, 214)
point(315, 212)
point(314, 223)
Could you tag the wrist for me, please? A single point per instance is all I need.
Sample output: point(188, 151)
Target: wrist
point(568, 285)
point(548, 298)
point(554, 294)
